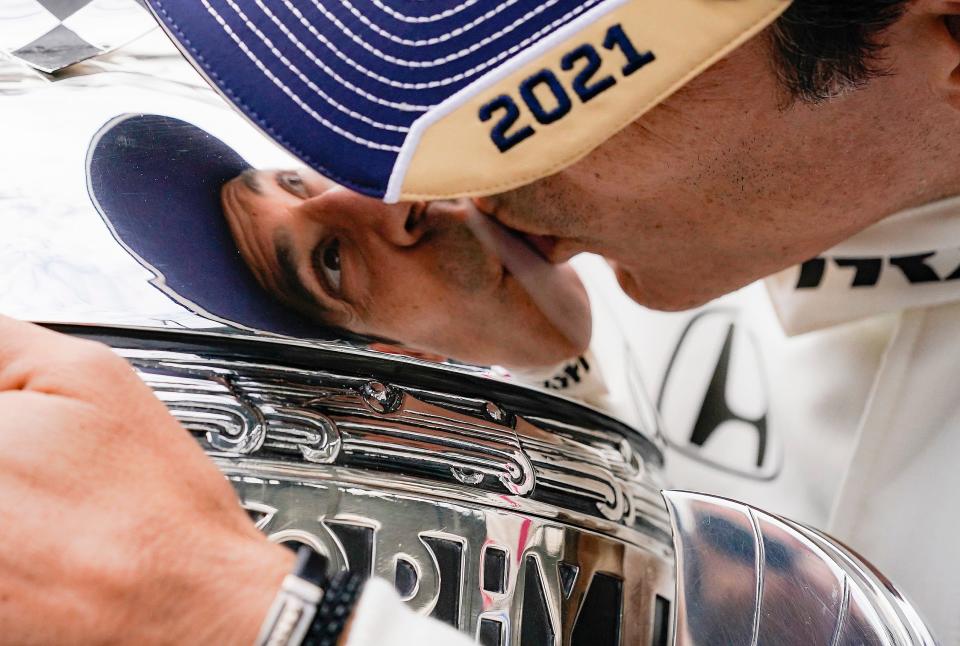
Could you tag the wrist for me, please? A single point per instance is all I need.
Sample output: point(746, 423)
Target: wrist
point(253, 591)
point(222, 594)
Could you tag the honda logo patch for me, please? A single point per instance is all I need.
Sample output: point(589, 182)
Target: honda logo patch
point(714, 399)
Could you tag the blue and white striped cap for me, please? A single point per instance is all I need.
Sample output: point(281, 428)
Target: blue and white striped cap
point(416, 99)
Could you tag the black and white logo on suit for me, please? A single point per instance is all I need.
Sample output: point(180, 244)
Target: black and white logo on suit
point(714, 398)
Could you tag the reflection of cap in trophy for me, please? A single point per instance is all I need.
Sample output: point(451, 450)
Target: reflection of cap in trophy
point(389, 98)
point(156, 181)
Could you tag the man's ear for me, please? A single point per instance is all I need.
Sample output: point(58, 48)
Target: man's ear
point(935, 30)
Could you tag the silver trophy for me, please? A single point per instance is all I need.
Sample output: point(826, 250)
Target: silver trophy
point(514, 514)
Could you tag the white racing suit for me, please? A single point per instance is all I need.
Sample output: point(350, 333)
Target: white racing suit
point(382, 619)
point(829, 394)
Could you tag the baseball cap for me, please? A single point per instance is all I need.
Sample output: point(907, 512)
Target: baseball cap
point(410, 100)
point(156, 181)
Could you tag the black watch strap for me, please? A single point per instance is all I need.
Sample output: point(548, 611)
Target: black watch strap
point(339, 600)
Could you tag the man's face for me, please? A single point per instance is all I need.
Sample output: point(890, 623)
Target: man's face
point(722, 184)
point(414, 273)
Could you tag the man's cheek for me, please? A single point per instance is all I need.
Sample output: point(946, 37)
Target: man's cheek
point(523, 210)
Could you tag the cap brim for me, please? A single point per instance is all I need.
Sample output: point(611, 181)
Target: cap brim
point(156, 182)
point(417, 100)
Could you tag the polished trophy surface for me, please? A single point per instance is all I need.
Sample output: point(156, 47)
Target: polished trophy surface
point(512, 513)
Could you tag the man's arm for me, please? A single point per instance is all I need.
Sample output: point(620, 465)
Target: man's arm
point(117, 527)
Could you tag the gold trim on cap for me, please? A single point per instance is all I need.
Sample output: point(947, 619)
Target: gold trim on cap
point(643, 51)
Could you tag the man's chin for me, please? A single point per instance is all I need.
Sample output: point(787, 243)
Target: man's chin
point(659, 295)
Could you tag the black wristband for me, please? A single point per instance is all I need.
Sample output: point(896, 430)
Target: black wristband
point(334, 610)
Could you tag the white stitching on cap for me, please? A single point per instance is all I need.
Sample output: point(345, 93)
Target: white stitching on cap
point(170, 23)
point(442, 82)
point(429, 41)
point(437, 61)
point(440, 16)
point(313, 86)
point(290, 93)
point(406, 107)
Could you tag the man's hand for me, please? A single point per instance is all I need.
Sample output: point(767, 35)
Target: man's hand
point(116, 527)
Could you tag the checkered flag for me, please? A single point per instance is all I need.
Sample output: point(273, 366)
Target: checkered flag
point(52, 34)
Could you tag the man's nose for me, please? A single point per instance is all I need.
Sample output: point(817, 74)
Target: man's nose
point(402, 224)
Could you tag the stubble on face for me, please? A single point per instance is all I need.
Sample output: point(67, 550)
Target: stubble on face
point(722, 184)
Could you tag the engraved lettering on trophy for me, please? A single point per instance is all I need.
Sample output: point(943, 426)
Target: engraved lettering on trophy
point(291, 520)
point(506, 576)
point(406, 577)
point(401, 554)
point(448, 553)
point(537, 625)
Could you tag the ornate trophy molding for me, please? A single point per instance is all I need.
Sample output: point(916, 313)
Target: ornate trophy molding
point(273, 413)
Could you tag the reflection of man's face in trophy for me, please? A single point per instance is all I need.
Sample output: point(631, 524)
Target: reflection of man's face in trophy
point(414, 273)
